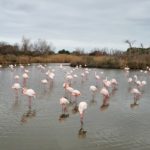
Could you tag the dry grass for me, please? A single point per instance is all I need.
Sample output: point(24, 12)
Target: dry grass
point(133, 61)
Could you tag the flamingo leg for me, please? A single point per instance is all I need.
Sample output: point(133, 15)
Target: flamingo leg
point(30, 101)
point(16, 91)
point(81, 120)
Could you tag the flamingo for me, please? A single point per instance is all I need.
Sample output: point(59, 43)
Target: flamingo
point(107, 83)
point(69, 78)
point(16, 87)
point(44, 81)
point(26, 71)
point(75, 76)
point(83, 76)
point(76, 93)
point(86, 73)
point(70, 90)
point(16, 78)
point(106, 95)
point(64, 102)
point(126, 69)
point(114, 83)
point(93, 89)
point(51, 76)
point(97, 77)
point(82, 107)
point(25, 77)
point(136, 93)
point(65, 85)
point(30, 93)
point(130, 80)
point(104, 92)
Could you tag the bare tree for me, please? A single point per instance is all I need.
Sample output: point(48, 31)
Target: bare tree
point(42, 46)
point(26, 45)
point(130, 43)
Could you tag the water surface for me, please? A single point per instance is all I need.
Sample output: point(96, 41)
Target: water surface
point(117, 127)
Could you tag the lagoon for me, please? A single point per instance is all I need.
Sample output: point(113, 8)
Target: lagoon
point(116, 127)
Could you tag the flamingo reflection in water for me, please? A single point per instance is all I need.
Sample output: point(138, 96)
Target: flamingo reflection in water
point(27, 115)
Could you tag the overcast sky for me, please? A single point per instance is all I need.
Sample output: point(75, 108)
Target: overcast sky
point(71, 24)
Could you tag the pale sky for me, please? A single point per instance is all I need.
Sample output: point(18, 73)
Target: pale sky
point(70, 24)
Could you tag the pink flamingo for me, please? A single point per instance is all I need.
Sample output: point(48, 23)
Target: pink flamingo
point(136, 93)
point(82, 107)
point(64, 102)
point(107, 83)
point(106, 96)
point(76, 93)
point(25, 77)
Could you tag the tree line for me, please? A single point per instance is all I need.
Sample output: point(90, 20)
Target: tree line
point(42, 47)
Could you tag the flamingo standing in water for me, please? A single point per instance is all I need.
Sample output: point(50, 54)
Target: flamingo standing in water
point(82, 107)
point(69, 79)
point(16, 78)
point(97, 77)
point(76, 93)
point(44, 81)
point(64, 102)
point(25, 77)
point(136, 93)
point(30, 93)
point(16, 87)
point(114, 83)
point(104, 92)
point(106, 95)
point(93, 89)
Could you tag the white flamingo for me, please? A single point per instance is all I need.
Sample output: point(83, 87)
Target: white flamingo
point(16, 78)
point(16, 87)
point(44, 82)
point(114, 83)
point(93, 89)
point(30, 93)
point(97, 77)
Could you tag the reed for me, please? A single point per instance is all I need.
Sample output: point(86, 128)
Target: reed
point(135, 61)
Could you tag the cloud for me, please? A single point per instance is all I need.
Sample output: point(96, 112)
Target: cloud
point(80, 23)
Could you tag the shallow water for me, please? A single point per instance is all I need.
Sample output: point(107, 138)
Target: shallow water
point(116, 127)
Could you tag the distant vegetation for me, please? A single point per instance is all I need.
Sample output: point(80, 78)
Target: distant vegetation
point(43, 52)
